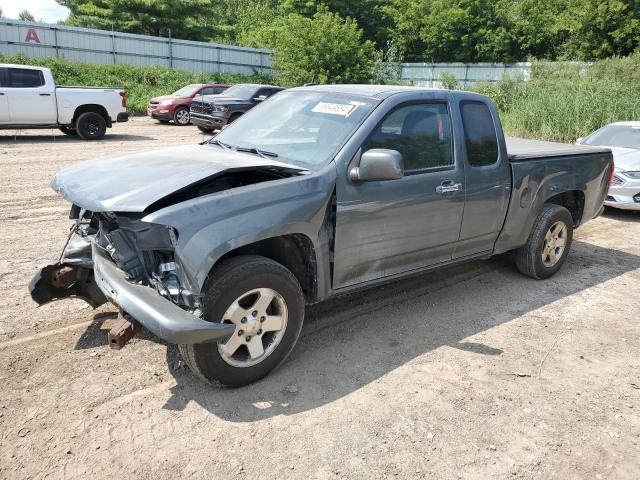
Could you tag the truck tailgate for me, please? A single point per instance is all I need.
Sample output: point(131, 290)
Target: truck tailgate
point(521, 149)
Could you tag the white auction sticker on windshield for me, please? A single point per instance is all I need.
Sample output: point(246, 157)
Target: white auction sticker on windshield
point(342, 109)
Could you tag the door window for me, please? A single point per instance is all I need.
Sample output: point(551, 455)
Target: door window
point(24, 78)
point(479, 133)
point(421, 132)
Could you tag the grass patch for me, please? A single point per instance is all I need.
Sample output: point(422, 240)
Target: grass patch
point(564, 101)
point(141, 83)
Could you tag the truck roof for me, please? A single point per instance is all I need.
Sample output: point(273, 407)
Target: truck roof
point(15, 65)
point(382, 91)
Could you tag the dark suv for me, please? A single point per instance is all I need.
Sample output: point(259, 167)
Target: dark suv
point(212, 112)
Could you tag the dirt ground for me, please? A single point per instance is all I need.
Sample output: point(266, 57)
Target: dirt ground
point(471, 372)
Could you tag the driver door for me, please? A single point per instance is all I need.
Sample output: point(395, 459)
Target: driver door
point(390, 227)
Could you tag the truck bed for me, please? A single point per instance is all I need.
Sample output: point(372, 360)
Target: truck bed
point(522, 149)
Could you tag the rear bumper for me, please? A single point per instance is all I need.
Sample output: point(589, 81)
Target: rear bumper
point(154, 312)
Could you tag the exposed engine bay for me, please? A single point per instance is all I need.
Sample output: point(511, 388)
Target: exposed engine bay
point(143, 250)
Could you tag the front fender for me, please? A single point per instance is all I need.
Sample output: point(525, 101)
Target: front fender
point(213, 225)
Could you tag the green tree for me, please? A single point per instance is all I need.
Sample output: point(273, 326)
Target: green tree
point(325, 48)
point(187, 19)
point(601, 29)
point(453, 30)
point(26, 16)
point(369, 14)
point(537, 29)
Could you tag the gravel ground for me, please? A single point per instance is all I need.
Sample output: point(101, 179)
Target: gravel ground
point(470, 372)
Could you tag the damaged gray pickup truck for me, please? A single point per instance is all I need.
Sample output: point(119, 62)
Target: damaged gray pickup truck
point(317, 191)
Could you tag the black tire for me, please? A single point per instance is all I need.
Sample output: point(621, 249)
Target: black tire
point(179, 118)
point(205, 130)
point(68, 131)
point(91, 126)
point(529, 258)
point(234, 117)
point(229, 281)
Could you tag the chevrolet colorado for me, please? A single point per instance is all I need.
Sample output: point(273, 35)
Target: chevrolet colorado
point(317, 191)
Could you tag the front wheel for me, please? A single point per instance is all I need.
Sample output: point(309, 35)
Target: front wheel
point(265, 303)
point(182, 116)
point(91, 126)
point(548, 244)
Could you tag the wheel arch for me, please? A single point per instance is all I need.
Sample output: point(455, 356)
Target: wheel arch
point(90, 107)
point(572, 200)
point(294, 251)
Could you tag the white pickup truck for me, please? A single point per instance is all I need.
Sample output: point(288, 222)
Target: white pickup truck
point(29, 98)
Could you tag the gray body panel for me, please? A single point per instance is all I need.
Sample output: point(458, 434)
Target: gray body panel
point(361, 233)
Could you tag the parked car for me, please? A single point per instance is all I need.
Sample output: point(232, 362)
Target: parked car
point(211, 113)
point(29, 98)
point(320, 191)
point(623, 138)
point(176, 106)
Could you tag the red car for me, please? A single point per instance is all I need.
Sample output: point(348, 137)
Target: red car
point(176, 106)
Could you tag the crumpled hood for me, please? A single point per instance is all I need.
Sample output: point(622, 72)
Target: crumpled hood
point(131, 183)
point(626, 158)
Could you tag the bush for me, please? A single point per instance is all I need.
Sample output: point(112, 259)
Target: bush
point(323, 49)
point(141, 83)
point(564, 101)
point(449, 81)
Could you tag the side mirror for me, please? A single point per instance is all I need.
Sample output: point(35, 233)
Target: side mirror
point(378, 164)
point(261, 98)
point(580, 140)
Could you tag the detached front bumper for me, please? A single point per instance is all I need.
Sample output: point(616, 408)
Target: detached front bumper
point(154, 312)
point(208, 121)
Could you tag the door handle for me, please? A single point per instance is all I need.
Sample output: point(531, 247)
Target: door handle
point(45, 94)
point(1, 93)
point(448, 186)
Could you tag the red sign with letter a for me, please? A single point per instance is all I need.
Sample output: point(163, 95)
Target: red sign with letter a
point(32, 36)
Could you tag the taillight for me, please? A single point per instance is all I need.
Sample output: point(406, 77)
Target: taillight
point(611, 175)
point(123, 95)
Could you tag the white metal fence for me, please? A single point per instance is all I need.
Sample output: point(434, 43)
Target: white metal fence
point(467, 74)
point(36, 39)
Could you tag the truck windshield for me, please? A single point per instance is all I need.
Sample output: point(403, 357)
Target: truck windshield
point(615, 136)
point(186, 91)
point(244, 92)
point(305, 127)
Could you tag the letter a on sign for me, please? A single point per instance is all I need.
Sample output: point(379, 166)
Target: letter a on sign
point(32, 36)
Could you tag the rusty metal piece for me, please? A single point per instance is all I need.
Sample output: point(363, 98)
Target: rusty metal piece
point(64, 277)
point(122, 332)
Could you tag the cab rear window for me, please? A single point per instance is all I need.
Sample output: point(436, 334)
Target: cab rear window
point(480, 135)
point(24, 78)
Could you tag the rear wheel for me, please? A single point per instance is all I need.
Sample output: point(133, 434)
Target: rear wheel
point(68, 130)
point(182, 116)
point(234, 117)
point(91, 126)
point(265, 303)
point(548, 244)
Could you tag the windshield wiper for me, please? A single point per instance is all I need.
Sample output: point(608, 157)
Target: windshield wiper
point(257, 151)
point(221, 144)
